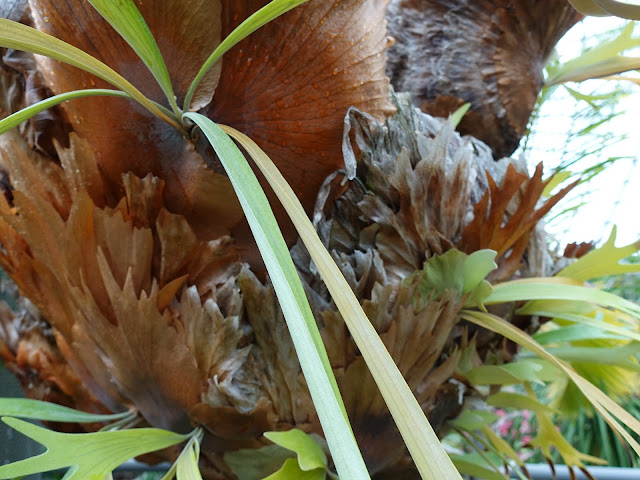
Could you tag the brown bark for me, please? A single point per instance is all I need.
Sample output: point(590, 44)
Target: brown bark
point(487, 52)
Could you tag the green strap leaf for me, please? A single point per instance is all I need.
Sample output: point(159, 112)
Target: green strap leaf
point(187, 468)
point(557, 289)
point(423, 444)
point(295, 307)
point(573, 312)
point(620, 9)
point(127, 20)
point(91, 456)
point(600, 401)
point(573, 333)
point(22, 37)
point(518, 401)
point(476, 467)
point(310, 455)
point(600, 61)
point(263, 16)
point(17, 118)
point(509, 374)
point(50, 412)
point(470, 420)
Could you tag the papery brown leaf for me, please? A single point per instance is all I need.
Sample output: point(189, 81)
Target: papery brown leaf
point(28, 350)
point(577, 250)
point(419, 178)
point(289, 84)
point(91, 270)
point(277, 367)
point(232, 430)
point(505, 217)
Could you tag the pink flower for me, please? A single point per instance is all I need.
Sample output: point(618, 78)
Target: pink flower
point(504, 427)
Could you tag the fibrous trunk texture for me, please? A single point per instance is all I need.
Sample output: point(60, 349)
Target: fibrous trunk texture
point(490, 53)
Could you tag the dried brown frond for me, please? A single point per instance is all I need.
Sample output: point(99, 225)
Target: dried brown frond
point(505, 218)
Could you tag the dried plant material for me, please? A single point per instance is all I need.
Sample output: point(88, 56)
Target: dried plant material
point(103, 278)
point(417, 183)
point(289, 84)
point(577, 250)
point(28, 350)
point(496, 65)
point(505, 217)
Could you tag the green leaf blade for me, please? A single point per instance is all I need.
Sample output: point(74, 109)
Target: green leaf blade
point(187, 468)
point(127, 20)
point(17, 118)
point(50, 412)
point(21, 37)
point(263, 16)
point(310, 455)
point(90, 456)
point(292, 471)
point(558, 289)
point(290, 293)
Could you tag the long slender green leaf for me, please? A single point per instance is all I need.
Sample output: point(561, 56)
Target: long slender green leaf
point(475, 468)
point(601, 402)
point(422, 442)
point(17, 118)
point(573, 333)
point(91, 456)
point(22, 37)
point(295, 307)
point(557, 289)
point(263, 16)
point(50, 412)
point(538, 308)
point(599, 61)
point(518, 401)
point(187, 465)
point(126, 19)
point(588, 7)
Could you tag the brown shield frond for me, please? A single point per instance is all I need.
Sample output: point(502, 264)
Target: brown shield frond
point(124, 136)
point(289, 84)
